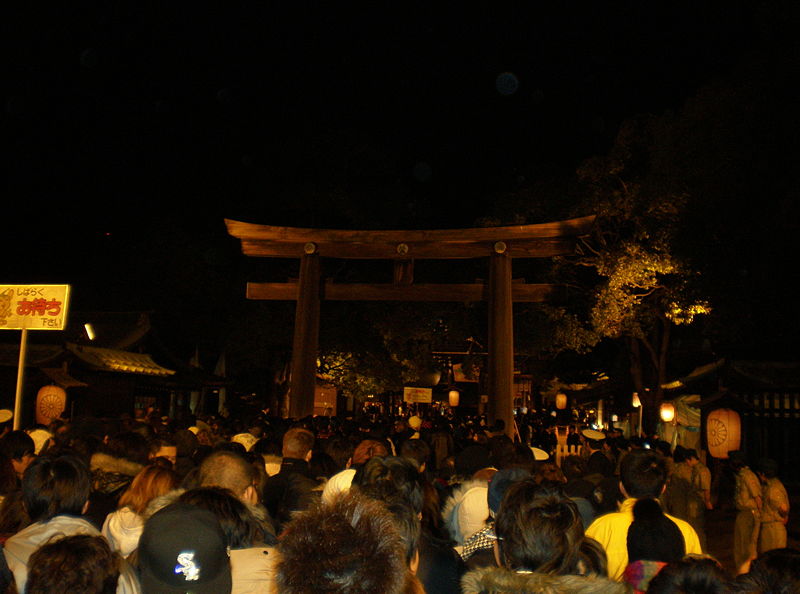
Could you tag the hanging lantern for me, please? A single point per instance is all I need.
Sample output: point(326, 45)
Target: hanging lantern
point(723, 432)
point(453, 397)
point(667, 412)
point(50, 403)
point(561, 401)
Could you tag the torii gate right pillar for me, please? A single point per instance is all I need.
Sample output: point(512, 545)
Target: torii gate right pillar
point(501, 340)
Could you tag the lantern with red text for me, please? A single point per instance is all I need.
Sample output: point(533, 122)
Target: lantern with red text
point(723, 432)
point(50, 403)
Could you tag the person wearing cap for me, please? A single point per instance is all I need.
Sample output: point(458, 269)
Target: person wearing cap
point(5, 421)
point(775, 512)
point(183, 549)
point(598, 462)
point(747, 499)
point(643, 474)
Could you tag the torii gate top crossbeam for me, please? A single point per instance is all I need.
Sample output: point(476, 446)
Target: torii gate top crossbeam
point(527, 241)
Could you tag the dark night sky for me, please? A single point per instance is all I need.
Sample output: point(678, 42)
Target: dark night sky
point(133, 129)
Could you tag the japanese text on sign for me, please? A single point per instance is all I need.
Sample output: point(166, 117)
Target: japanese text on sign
point(417, 394)
point(33, 307)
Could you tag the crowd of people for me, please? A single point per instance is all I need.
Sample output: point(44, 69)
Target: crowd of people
point(380, 504)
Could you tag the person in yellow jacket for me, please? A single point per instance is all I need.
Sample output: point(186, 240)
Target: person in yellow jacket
point(643, 474)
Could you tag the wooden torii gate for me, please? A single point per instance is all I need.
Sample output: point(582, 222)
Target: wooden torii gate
point(499, 244)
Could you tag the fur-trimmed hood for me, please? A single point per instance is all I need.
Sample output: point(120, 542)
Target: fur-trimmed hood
point(101, 462)
point(466, 509)
point(491, 580)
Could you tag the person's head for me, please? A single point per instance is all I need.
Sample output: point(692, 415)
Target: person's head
point(691, 456)
point(55, 485)
point(692, 575)
point(164, 446)
point(230, 470)
point(80, 563)
point(340, 449)
point(298, 443)
point(151, 481)
point(183, 549)
point(356, 544)
point(237, 521)
point(737, 460)
point(20, 448)
point(128, 445)
point(366, 449)
point(767, 468)
point(653, 536)
point(773, 572)
point(390, 477)
point(643, 473)
point(417, 451)
point(539, 529)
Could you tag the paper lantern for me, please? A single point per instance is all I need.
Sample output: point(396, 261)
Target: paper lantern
point(723, 432)
point(561, 401)
point(453, 397)
point(667, 412)
point(50, 403)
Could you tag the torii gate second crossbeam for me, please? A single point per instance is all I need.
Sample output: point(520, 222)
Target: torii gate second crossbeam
point(498, 244)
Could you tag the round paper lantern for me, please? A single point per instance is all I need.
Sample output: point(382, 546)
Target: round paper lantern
point(561, 401)
point(453, 397)
point(723, 432)
point(667, 411)
point(50, 403)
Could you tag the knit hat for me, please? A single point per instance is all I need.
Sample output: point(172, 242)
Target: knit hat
point(182, 550)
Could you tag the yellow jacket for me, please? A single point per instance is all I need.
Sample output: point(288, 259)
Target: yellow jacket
point(611, 531)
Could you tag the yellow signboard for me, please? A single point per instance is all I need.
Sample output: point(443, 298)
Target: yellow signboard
point(33, 307)
point(424, 395)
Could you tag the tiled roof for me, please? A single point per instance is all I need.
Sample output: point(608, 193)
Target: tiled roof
point(116, 360)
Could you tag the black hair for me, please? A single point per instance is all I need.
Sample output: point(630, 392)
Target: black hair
point(393, 476)
point(539, 528)
point(652, 536)
point(17, 444)
point(695, 575)
point(55, 485)
point(643, 473)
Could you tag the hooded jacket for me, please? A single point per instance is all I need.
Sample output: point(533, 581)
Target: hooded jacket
point(123, 528)
point(490, 580)
point(466, 509)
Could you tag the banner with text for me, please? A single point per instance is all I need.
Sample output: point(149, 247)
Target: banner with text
point(33, 307)
point(423, 395)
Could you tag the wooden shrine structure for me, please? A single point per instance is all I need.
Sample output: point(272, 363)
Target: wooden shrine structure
point(500, 245)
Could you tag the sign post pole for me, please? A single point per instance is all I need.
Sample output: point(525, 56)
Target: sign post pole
point(23, 350)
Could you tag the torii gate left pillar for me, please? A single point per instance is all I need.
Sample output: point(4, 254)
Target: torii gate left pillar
point(306, 336)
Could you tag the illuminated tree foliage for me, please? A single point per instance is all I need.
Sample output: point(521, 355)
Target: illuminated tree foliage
point(634, 286)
